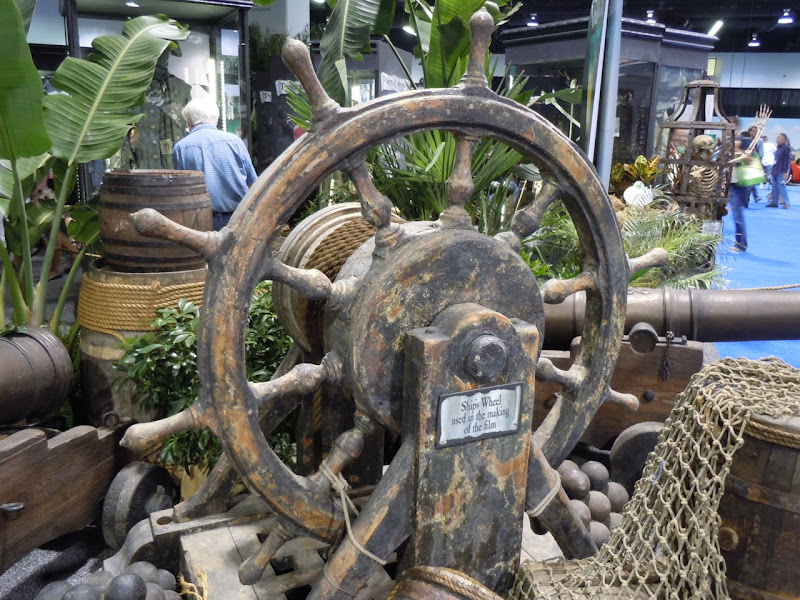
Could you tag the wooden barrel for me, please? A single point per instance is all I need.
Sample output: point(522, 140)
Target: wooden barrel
point(181, 196)
point(35, 374)
point(113, 306)
point(760, 511)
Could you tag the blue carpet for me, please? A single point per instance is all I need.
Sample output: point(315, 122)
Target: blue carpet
point(772, 259)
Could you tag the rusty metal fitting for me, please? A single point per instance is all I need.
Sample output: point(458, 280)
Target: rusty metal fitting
point(487, 357)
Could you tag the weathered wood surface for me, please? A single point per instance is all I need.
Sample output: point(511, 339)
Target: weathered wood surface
point(60, 481)
point(760, 530)
point(469, 497)
point(634, 374)
point(215, 555)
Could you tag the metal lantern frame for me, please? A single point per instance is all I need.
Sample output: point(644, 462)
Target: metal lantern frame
point(700, 100)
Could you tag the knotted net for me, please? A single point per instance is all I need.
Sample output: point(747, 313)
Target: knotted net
point(666, 546)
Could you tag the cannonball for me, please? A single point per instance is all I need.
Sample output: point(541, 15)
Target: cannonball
point(599, 506)
point(166, 580)
point(84, 591)
point(145, 570)
point(581, 510)
point(617, 496)
point(171, 595)
point(53, 591)
point(614, 520)
point(575, 483)
point(154, 591)
point(599, 533)
point(128, 586)
point(597, 473)
point(567, 465)
point(100, 578)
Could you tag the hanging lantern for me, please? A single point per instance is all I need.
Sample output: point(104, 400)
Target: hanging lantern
point(696, 144)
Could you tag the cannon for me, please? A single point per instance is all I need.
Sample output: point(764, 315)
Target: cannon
point(698, 315)
point(662, 346)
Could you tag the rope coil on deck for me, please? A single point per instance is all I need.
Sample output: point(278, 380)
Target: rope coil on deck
point(109, 307)
point(667, 545)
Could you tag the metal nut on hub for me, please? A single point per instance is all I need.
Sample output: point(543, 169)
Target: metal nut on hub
point(487, 358)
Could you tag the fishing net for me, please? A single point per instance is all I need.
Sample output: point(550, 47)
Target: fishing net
point(666, 546)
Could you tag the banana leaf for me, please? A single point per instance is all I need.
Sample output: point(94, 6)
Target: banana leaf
point(31, 171)
point(449, 40)
point(38, 218)
point(26, 8)
point(22, 130)
point(91, 120)
point(346, 35)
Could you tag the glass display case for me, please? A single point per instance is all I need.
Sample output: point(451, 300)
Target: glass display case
point(211, 60)
point(655, 63)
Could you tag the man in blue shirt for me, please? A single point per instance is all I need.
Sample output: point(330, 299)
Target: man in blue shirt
point(221, 156)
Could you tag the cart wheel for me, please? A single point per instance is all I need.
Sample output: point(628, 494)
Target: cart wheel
point(137, 490)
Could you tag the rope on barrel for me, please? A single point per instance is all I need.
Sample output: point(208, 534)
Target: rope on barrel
point(110, 308)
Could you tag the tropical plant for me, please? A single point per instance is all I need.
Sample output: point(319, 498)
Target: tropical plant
point(347, 35)
point(413, 171)
point(554, 250)
point(162, 365)
point(642, 169)
point(443, 36)
point(88, 121)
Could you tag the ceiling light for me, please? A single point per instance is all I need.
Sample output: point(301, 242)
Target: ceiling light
point(533, 22)
point(715, 28)
point(754, 43)
point(409, 29)
point(320, 1)
point(650, 17)
point(132, 4)
point(786, 18)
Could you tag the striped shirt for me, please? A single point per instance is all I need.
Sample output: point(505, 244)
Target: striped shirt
point(224, 160)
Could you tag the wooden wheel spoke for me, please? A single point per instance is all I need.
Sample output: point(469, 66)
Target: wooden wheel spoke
point(153, 224)
point(555, 291)
point(526, 221)
point(460, 185)
point(657, 257)
point(627, 401)
point(375, 207)
point(301, 379)
point(311, 283)
point(569, 380)
point(480, 26)
point(144, 436)
point(298, 58)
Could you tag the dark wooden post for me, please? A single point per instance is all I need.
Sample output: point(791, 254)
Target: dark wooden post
point(468, 408)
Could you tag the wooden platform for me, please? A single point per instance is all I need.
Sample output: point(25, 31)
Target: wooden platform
point(215, 555)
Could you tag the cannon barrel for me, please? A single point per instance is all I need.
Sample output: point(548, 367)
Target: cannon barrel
point(700, 315)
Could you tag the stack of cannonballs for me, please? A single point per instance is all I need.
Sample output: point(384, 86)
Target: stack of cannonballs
point(140, 581)
point(596, 499)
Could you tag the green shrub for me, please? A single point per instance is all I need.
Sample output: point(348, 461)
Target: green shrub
point(162, 364)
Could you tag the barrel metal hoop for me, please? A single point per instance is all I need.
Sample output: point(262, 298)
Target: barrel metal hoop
point(200, 203)
point(741, 590)
point(762, 495)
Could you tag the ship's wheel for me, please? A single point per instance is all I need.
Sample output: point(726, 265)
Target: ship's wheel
point(412, 273)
